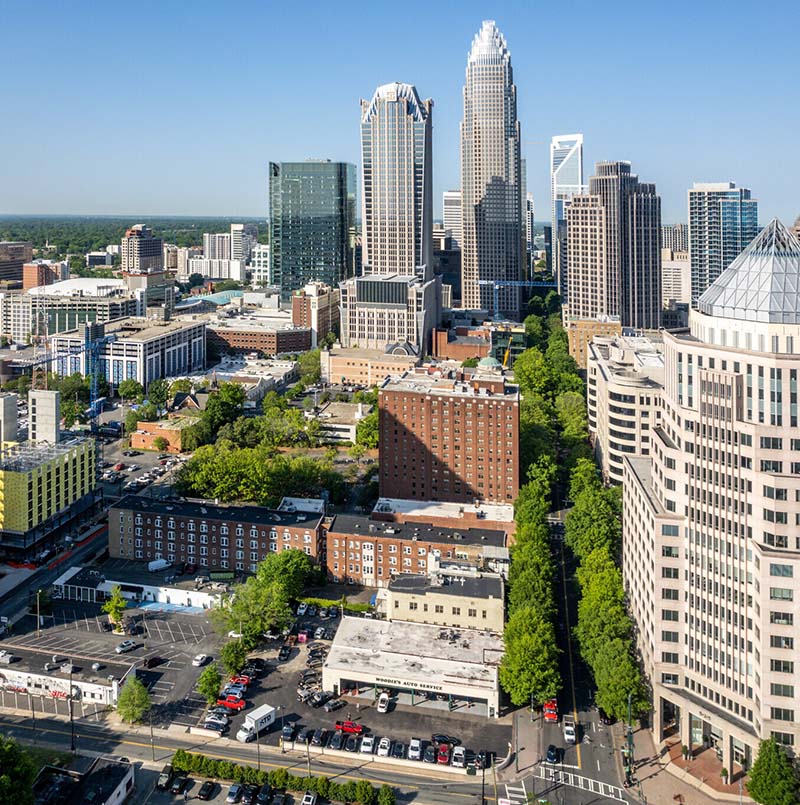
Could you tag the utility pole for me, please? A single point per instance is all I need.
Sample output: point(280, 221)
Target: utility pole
point(33, 719)
point(152, 740)
point(258, 751)
point(630, 737)
point(308, 756)
point(483, 778)
point(38, 618)
point(71, 720)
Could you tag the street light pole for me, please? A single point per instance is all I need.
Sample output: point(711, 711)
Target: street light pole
point(152, 740)
point(258, 752)
point(71, 720)
point(38, 617)
point(483, 778)
point(33, 719)
point(630, 736)
point(308, 757)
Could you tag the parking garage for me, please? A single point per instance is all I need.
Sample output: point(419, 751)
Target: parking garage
point(419, 664)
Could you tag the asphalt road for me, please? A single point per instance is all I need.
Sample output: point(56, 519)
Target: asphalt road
point(419, 787)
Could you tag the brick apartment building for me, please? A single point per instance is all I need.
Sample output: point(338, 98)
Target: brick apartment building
point(265, 340)
point(450, 436)
point(364, 551)
point(317, 307)
point(211, 536)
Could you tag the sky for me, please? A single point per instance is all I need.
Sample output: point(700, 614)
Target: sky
point(175, 108)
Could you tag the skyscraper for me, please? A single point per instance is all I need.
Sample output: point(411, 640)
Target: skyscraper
point(566, 181)
point(710, 552)
point(451, 215)
point(529, 223)
point(614, 249)
point(141, 251)
point(312, 208)
point(675, 237)
point(723, 219)
point(217, 245)
point(395, 304)
point(397, 182)
point(491, 176)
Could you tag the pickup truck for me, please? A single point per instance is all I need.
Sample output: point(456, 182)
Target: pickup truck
point(165, 778)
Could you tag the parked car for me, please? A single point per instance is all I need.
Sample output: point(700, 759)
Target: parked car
point(309, 798)
point(200, 660)
point(232, 703)
point(336, 741)
point(334, 704)
point(323, 613)
point(302, 608)
point(312, 611)
point(220, 718)
point(383, 703)
point(459, 757)
point(234, 793)
point(152, 662)
point(284, 653)
point(249, 793)
point(125, 646)
point(165, 778)
point(207, 790)
point(287, 733)
point(264, 794)
point(415, 749)
point(443, 754)
point(318, 699)
point(429, 755)
point(241, 679)
point(304, 736)
point(441, 738)
point(179, 784)
point(399, 750)
point(351, 744)
point(318, 739)
point(319, 633)
point(350, 727)
point(384, 747)
point(367, 745)
point(215, 726)
point(551, 716)
point(552, 754)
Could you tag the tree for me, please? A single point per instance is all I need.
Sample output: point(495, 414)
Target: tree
point(529, 667)
point(293, 568)
point(365, 793)
point(70, 411)
point(773, 779)
point(158, 392)
point(309, 367)
point(131, 421)
point(367, 431)
point(357, 452)
point(196, 280)
point(131, 389)
point(233, 655)
point(160, 443)
point(386, 795)
point(209, 683)
point(133, 700)
point(470, 363)
point(617, 676)
point(114, 607)
point(183, 384)
point(17, 772)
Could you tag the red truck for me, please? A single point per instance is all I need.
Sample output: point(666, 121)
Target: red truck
point(350, 727)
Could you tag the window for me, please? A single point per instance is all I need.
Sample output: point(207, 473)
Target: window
point(781, 666)
point(781, 570)
point(779, 641)
point(670, 573)
point(669, 679)
point(669, 551)
point(780, 594)
point(783, 738)
point(771, 443)
point(669, 637)
point(781, 618)
point(782, 714)
point(778, 689)
point(413, 606)
point(669, 594)
point(669, 531)
point(669, 614)
point(439, 609)
point(669, 656)
point(456, 610)
point(473, 613)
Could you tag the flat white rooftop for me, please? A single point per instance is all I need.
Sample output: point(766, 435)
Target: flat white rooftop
point(416, 652)
point(497, 512)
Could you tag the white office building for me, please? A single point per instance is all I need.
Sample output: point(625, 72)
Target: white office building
point(217, 246)
point(452, 216)
point(566, 181)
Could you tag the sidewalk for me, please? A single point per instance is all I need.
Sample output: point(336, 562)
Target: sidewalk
point(526, 746)
point(664, 782)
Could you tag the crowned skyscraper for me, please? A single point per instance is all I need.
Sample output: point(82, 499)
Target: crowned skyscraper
point(566, 181)
point(491, 176)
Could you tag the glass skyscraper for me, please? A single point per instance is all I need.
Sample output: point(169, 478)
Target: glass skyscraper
point(723, 219)
point(491, 177)
point(397, 182)
point(312, 210)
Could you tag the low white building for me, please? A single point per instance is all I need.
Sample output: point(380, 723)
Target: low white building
point(339, 421)
point(414, 658)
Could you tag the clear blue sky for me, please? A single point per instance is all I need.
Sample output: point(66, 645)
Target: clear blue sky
point(176, 107)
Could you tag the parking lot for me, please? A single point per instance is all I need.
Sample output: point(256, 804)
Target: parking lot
point(146, 462)
point(278, 687)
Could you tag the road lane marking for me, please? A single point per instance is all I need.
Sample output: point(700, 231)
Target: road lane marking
point(569, 653)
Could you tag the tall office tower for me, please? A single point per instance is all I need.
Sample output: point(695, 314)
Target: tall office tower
point(241, 243)
point(397, 182)
point(14, 255)
point(141, 251)
point(217, 245)
point(491, 177)
point(710, 550)
point(723, 219)
point(451, 215)
point(44, 411)
point(419, 459)
point(566, 181)
point(312, 208)
point(675, 237)
point(614, 253)
point(530, 229)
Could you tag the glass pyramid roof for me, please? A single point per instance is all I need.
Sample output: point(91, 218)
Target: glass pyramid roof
point(762, 283)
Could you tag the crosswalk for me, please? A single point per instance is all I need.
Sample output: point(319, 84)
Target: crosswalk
point(557, 776)
point(515, 794)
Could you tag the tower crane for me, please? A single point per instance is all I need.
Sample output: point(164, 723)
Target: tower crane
point(498, 284)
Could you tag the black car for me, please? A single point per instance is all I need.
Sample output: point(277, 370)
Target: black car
point(207, 790)
point(351, 744)
point(318, 739)
point(215, 726)
point(152, 662)
point(249, 794)
point(552, 754)
point(252, 671)
point(398, 750)
point(337, 739)
point(333, 705)
point(258, 662)
point(429, 755)
point(264, 794)
point(440, 738)
point(281, 799)
point(318, 699)
point(284, 653)
point(179, 784)
point(304, 736)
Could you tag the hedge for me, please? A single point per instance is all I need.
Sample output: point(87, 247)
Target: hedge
point(350, 606)
point(361, 791)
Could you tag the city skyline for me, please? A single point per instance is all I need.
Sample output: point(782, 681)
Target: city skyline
point(80, 161)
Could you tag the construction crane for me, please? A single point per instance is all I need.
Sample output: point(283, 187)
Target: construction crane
point(508, 352)
point(498, 284)
point(94, 339)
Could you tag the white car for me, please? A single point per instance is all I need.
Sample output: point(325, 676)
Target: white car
point(368, 744)
point(200, 660)
point(383, 703)
point(415, 749)
point(125, 646)
point(384, 747)
point(217, 718)
point(302, 608)
point(235, 635)
point(459, 757)
point(309, 798)
point(319, 633)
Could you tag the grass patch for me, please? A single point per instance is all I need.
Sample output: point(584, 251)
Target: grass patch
point(41, 756)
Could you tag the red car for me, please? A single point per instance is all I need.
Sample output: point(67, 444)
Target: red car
point(232, 703)
point(241, 679)
point(350, 727)
point(551, 704)
point(443, 755)
point(549, 715)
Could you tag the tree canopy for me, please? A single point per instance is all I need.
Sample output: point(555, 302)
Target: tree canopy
point(773, 778)
point(133, 701)
point(17, 773)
